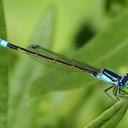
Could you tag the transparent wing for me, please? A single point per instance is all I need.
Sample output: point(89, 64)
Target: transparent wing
point(60, 59)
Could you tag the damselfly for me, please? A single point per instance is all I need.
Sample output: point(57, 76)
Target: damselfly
point(118, 82)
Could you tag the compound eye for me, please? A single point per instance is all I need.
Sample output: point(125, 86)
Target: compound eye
point(126, 75)
point(121, 84)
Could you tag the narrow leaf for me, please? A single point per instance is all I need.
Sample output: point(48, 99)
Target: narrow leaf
point(3, 73)
point(111, 117)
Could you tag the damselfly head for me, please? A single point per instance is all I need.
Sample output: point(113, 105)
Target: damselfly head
point(126, 79)
point(123, 81)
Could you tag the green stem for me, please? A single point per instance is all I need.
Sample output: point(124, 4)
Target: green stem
point(3, 73)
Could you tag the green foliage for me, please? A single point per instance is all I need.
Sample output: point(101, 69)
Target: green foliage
point(3, 73)
point(43, 97)
point(111, 117)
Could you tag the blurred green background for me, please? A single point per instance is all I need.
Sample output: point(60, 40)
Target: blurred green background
point(39, 96)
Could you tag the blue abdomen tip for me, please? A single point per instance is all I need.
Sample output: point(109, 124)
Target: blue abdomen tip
point(3, 43)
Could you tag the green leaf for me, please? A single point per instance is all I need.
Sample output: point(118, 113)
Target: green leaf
point(108, 49)
point(111, 117)
point(22, 110)
point(3, 73)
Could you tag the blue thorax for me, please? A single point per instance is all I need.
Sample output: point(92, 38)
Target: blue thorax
point(113, 78)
